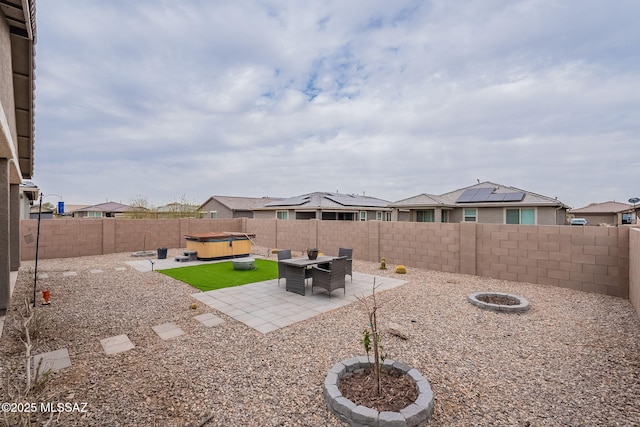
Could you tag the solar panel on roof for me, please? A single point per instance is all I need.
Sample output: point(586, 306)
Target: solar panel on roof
point(496, 197)
point(355, 200)
point(514, 197)
point(479, 195)
point(471, 195)
point(293, 201)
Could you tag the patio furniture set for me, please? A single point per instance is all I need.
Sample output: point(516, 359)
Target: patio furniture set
point(325, 272)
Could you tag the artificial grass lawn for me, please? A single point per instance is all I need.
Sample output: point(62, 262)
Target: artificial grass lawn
point(208, 277)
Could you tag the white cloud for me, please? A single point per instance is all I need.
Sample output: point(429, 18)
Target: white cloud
point(390, 98)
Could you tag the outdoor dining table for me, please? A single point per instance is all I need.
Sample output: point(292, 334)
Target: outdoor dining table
point(295, 269)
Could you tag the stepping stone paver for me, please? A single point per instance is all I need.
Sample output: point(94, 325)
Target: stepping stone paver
point(120, 268)
point(97, 270)
point(69, 273)
point(117, 344)
point(168, 330)
point(52, 360)
point(209, 319)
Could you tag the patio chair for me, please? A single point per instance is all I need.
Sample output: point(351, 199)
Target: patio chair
point(330, 279)
point(283, 254)
point(348, 253)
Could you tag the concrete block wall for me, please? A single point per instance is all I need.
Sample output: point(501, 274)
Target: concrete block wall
point(61, 238)
point(432, 246)
point(265, 231)
point(65, 238)
point(360, 236)
point(592, 259)
point(634, 268)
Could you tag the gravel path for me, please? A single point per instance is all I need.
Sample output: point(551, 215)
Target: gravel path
point(572, 360)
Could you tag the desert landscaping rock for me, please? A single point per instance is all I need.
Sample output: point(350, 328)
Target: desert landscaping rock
point(571, 360)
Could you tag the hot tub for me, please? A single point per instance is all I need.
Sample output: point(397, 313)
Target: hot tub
point(220, 245)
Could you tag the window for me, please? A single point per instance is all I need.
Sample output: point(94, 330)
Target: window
point(346, 216)
point(520, 216)
point(94, 214)
point(425, 216)
point(383, 216)
point(282, 214)
point(445, 216)
point(363, 215)
point(213, 214)
point(470, 215)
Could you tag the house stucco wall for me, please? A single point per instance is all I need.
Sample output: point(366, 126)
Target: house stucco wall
point(222, 210)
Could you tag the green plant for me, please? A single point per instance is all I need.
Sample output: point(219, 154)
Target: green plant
point(401, 269)
point(383, 264)
point(371, 338)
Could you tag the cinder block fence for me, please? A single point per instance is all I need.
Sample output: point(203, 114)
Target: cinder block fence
point(603, 260)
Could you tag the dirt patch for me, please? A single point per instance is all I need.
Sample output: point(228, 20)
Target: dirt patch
point(498, 299)
point(398, 390)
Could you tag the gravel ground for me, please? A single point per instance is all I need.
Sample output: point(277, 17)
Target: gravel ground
point(572, 360)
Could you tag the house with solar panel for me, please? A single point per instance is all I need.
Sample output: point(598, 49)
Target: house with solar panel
point(327, 207)
point(485, 203)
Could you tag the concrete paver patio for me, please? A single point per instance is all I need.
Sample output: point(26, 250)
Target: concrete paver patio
point(265, 306)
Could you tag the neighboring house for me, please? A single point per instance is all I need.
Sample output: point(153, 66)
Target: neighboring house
point(17, 123)
point(29, 193)
point(485, 202)
point(70, 209)
point(327, 207)
point(233, 207)
point(606, 213)
point(42, 213)
point(102, 210)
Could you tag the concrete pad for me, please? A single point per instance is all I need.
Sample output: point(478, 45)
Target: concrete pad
point(209, 319)
point(168, 330)
point(116, 344)
point(52, 360)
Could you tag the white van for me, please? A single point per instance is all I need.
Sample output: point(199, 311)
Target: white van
point(578, 221)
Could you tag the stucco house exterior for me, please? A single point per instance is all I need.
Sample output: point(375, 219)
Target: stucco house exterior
point(233, 206)
point(327, 207)
point(486, 203)
point(17, 65)
point(606, 213)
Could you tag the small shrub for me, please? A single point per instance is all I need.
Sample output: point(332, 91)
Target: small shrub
point(383, 264)
point(401, 269)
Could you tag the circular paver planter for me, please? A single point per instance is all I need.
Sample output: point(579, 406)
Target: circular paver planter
point(416, 414)
point(517, 304)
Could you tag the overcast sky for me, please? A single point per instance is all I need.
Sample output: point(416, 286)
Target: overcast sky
point(188, 99)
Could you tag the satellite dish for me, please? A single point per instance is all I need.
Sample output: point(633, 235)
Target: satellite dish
point(634, 200)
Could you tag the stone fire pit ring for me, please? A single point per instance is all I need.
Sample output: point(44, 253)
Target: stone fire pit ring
point(520, 305)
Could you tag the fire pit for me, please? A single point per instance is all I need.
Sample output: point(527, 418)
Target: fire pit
point(498, 301)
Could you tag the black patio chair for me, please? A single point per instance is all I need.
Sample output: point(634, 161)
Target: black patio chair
point(330, 279)
point(283, 254)
point(348, 253)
